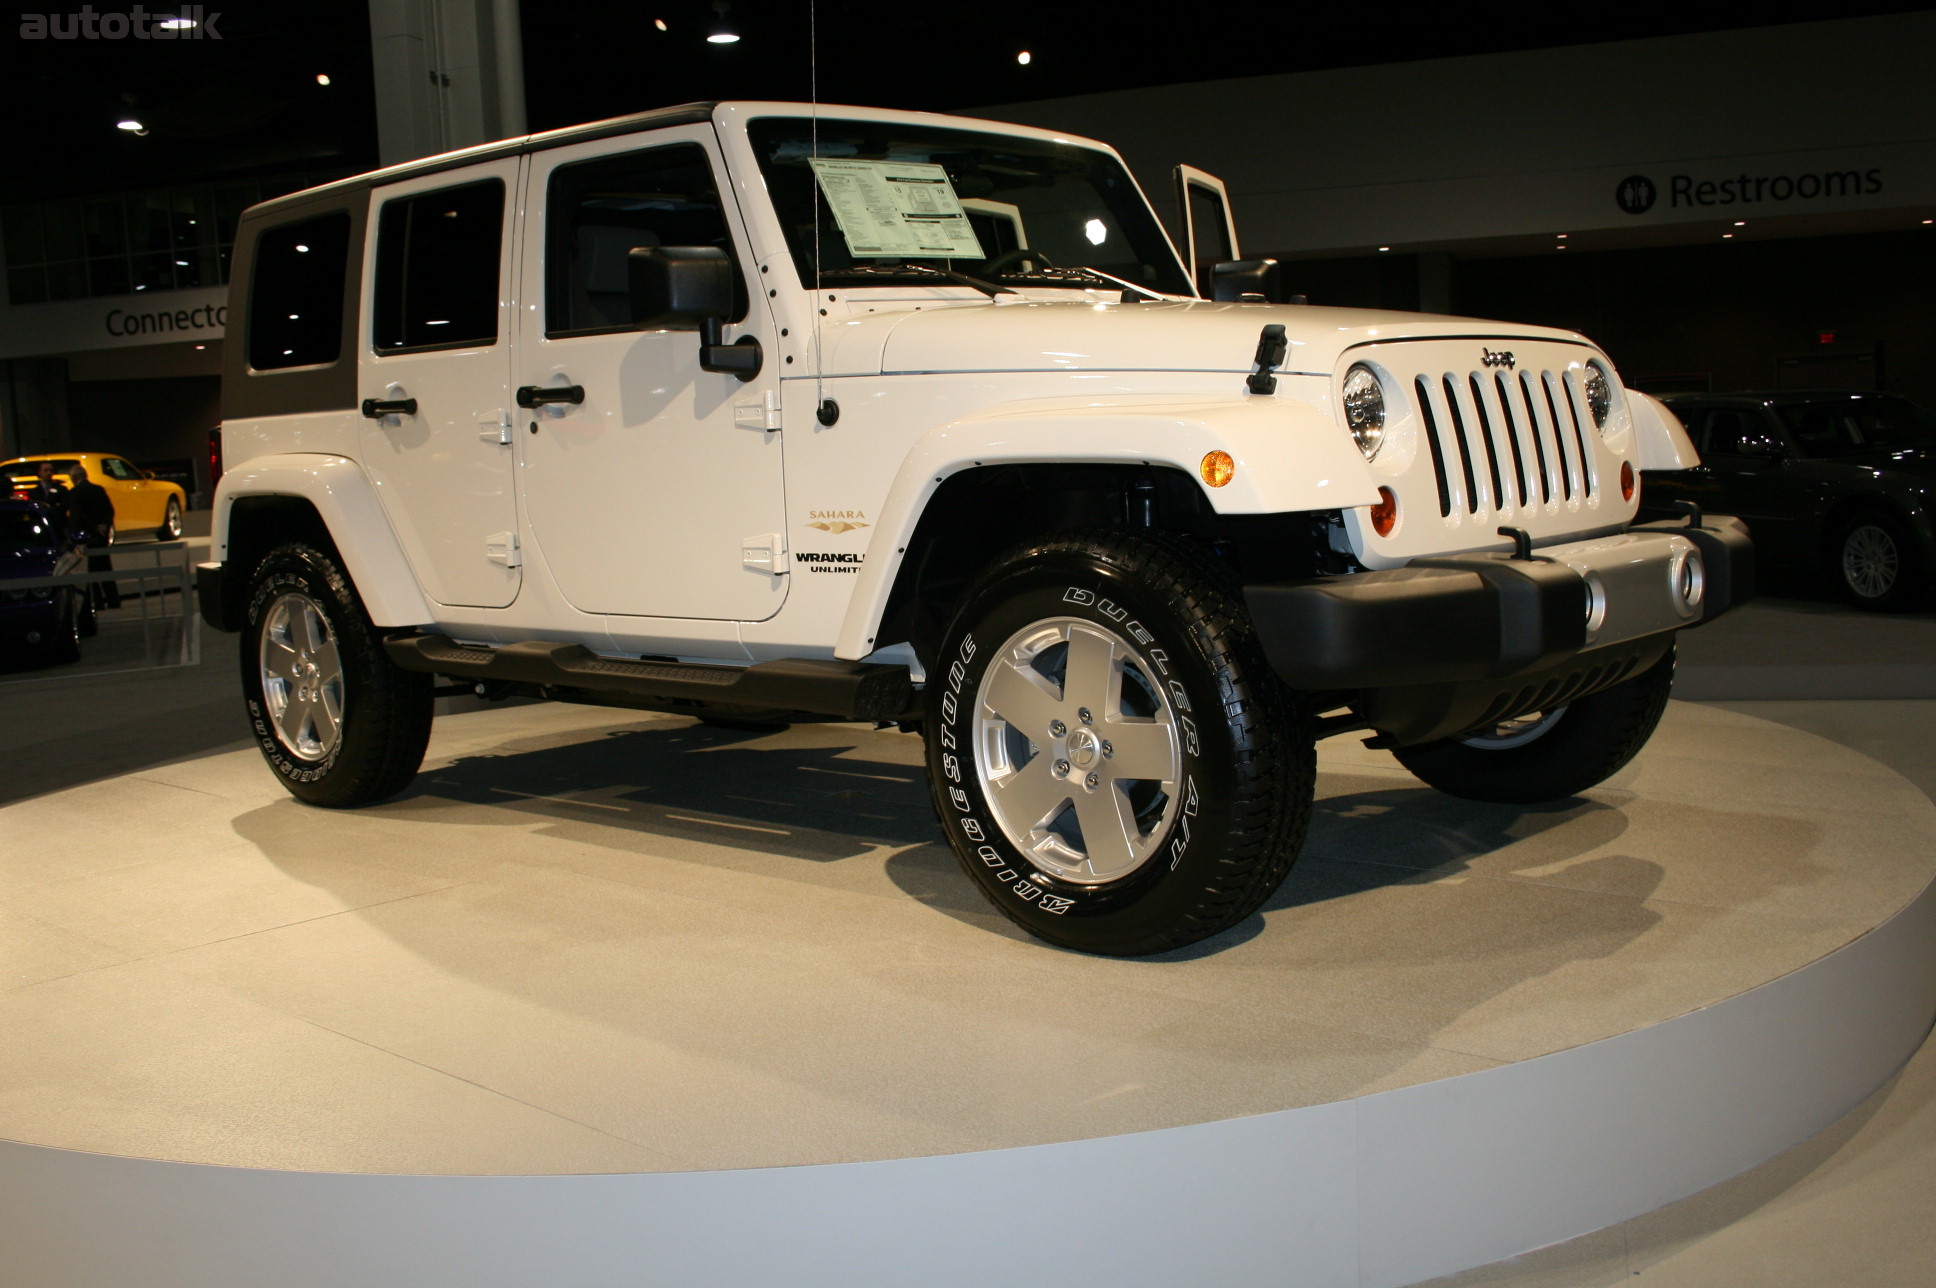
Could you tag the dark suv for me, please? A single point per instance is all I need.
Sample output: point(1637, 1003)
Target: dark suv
point(1844, 482)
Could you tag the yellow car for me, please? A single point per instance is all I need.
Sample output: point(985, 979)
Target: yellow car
point(141, 501)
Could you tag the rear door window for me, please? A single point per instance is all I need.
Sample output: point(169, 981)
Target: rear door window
point(437, 269)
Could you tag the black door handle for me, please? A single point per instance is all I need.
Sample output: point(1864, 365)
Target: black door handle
point(377, 408)
point(530, 396)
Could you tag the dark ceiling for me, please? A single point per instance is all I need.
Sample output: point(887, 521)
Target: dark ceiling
point(250, 102)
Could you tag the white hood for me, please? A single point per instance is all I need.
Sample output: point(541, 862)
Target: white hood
point(1046, 335)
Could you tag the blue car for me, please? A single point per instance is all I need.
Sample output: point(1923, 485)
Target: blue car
point(45, 623)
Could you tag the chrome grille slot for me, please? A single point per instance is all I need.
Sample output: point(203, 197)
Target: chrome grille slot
point(1500, 501)
point(1539, 433)
point(1517, 426)
point(1566, 463)
point(1434, 441)
point(1465, 446)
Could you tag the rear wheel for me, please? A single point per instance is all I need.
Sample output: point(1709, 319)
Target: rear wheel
point(1113, 761)
point(337, 721)
point(1876, 565)
point(171, 523)
point(1547, 755)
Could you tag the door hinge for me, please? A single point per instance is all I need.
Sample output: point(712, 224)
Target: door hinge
point(766, 553)
point(496, 431)
point(764, 414)
point(502, 548)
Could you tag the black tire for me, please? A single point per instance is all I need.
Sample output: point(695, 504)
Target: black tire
point(1196, 705)
point(171, 524)
point(1550, 755)
point(1875, 565)
point(339, 723)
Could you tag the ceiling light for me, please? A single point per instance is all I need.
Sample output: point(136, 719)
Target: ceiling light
point(131, 125)
point(722, 32)
point(1740, 223)
point(1726, 236)
point(1024, 58)
point(1561, 236)
point(1095, 231)
point(322, 78)
point(660, 24)
point(1383, 249)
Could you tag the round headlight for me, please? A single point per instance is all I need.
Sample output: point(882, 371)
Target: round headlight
point(1364, 408)
point(1599, 394)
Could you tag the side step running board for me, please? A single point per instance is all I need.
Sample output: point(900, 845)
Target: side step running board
point(856, 690)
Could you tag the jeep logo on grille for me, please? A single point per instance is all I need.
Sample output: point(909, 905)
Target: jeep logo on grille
point(1503, 358)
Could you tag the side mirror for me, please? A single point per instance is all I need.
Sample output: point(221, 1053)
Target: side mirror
point(684, 288)
point(1247, 281)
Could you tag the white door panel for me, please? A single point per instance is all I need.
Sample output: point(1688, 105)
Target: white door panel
point(643, 495)
point(444, 472)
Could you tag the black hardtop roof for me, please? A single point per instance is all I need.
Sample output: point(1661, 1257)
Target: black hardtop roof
point(658, 117)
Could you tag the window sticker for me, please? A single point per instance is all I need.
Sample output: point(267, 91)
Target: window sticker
point(896, 208)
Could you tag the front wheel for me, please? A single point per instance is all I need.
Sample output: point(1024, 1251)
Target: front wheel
point(337, 721)
point(1114, 764)
point(1547, 755)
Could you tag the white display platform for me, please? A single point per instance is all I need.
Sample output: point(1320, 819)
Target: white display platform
point(251, 1043)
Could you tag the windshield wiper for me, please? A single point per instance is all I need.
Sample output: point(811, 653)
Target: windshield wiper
point(989, 289)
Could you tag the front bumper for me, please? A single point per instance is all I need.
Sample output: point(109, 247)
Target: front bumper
point(1445, 645)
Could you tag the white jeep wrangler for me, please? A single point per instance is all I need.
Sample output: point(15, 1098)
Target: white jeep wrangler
point(751, 410)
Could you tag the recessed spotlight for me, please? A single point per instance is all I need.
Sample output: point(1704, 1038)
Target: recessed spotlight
point(1383, 249)
point(1561, 236)
point(1025, 58)
point(1726, 236)
point(722, 32)
point(660, 24)
point(1740, 223)
point(322, 78)
point(131, 125)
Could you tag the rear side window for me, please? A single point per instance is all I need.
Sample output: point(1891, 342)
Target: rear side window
point(437, 269)
point(598, 211)
point(296, 293)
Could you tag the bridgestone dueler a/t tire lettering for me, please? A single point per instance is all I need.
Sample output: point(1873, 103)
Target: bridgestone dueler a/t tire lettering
point(1114, 763)
point(1592, 739)
point(385, 712)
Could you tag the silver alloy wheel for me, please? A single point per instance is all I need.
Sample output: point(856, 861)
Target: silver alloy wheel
point(1870, 561)
point(1077, 750)
point(1516, 732)
point(171, 522)
point(302, 677)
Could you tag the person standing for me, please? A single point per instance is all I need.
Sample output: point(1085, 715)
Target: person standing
point(52, 494)
point(90, 511)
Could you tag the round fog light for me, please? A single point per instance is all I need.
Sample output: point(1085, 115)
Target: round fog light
point(1690, 582)
point(1596, 604)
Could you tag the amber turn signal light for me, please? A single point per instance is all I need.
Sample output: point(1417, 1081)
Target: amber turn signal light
point(1217, 468)
point(1384, 515)
point(1628, 483)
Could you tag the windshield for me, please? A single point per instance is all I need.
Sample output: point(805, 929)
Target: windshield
point(25, 530)
point(898, 202)
point(1859, 424)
